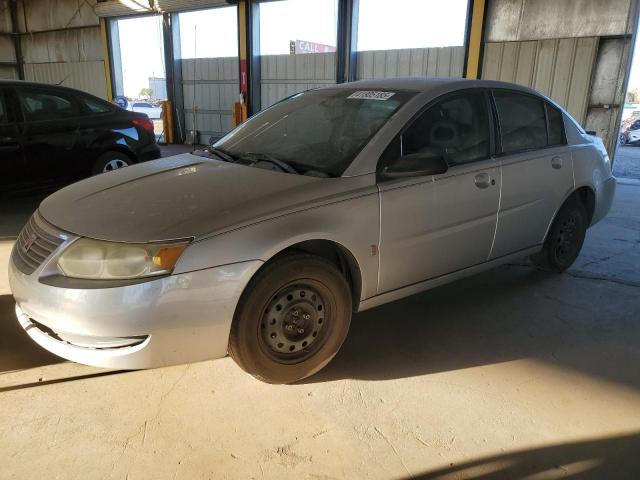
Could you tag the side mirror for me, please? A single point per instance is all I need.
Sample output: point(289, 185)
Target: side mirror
point(415, 165)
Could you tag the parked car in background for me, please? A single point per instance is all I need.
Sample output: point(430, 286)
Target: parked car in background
point(335, 200)
point(630, 133)
point(148, 108)
point(52, 134)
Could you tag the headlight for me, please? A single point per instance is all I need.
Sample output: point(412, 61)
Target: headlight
point(99, 260)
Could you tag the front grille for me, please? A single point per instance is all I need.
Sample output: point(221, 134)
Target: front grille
point(36, 242)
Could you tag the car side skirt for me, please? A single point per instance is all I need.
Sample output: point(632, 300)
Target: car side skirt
point(444, 279)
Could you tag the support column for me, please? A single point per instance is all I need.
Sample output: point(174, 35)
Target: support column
point(17, 45)
point(475, 32)
point(346, 55)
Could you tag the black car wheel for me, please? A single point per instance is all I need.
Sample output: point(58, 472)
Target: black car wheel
point(110, 161)
point(292, 319)
point(565, 238)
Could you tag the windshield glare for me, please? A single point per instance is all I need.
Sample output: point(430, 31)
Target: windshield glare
point(320, 130)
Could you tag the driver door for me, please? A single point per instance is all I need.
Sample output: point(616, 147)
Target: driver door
point(434, 225)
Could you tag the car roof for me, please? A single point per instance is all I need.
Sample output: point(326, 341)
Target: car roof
point(426, 84)
point(27, 83)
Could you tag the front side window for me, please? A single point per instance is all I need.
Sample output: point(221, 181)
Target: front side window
point(38, 105)
point(456, 129)
point(556, 126)
point(522, 121)
point(319, 130)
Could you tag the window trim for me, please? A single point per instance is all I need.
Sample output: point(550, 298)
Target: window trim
point(70, 96)
point(499, 150)
point(380, 165)
point(563, 134)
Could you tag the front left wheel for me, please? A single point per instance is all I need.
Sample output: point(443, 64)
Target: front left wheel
point(292, 319)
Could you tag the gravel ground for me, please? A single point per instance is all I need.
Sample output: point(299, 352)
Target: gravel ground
point(627, 162)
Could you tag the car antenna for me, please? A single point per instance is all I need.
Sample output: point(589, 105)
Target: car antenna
point(63, 80)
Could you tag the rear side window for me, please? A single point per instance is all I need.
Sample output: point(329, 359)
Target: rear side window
point(95, 105)
point(38, 105)
point(556, 126)
point(522, 121)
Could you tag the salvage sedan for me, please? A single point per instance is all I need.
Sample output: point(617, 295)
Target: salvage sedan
point(330, 202)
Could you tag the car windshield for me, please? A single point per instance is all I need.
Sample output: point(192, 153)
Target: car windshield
point(316, 131)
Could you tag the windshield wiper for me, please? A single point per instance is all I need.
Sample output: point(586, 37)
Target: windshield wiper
point(223, 154)
point(265, 157)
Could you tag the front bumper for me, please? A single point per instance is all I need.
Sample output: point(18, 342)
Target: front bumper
point(176, 319)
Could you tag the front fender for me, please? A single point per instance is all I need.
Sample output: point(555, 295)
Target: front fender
point(352, 223)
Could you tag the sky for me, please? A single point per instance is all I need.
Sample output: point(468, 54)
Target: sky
point(213, 33)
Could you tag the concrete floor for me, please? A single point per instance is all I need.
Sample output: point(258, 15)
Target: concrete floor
point(627, 162)
point(506, 374)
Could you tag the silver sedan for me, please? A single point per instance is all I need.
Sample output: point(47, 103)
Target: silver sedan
point(330, 202)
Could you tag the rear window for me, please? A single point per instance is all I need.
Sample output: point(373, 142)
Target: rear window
point(556, 126)
point(96, 105)
point(522, 121)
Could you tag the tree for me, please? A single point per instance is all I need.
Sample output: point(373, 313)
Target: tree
point(146, 92)
point(633, 95)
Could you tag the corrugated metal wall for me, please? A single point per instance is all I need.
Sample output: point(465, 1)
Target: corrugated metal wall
point(559, 68)
point(284, 75)
point(73, 57)
point(85, 76)
point(430, 62)
point(216, 85)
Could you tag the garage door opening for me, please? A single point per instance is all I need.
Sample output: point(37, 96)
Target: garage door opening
point(626, 164)
point(137, 50)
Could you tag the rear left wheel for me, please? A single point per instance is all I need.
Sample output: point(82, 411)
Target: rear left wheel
point(110, 161)
point(292, 319)
point(565, 238)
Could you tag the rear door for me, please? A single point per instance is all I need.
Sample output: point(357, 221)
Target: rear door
point(537, 169)
point(49, 132)
point(434, 225)
point(11, 157)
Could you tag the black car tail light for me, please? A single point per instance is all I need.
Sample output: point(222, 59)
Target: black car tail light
point(145, 123)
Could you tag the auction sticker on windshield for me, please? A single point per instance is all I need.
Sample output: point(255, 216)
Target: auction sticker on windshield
point(371, 95)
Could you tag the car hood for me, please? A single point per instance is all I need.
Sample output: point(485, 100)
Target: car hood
point(184, 196)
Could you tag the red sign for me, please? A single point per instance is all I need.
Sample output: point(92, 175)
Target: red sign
point(302, 46)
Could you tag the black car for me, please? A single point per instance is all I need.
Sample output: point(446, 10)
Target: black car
point(52, 135)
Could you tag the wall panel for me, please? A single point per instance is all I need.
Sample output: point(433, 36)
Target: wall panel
point(430, 62)
point(212, 83)
point(559, 68)
point(284, 75)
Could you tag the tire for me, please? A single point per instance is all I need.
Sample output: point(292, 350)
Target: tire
point(292, 319)
point(565, 238)
point(110, 161)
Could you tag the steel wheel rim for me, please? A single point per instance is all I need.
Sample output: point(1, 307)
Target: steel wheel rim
point(566, 240)
point(294, 324)
point(114, 164)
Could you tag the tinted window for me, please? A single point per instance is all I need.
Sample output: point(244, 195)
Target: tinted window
point(95, 105)
point(321, 130)
point(556, 125)
point(4, 116)
point(456, 129)
point(522, 121)
point(38, 105)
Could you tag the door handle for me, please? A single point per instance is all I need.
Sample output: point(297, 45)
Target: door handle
point(483, 180)
point(556, 162)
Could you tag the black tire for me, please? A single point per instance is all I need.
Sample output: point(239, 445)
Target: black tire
point(565, 238)
point(107, 161)
point(269, 338)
